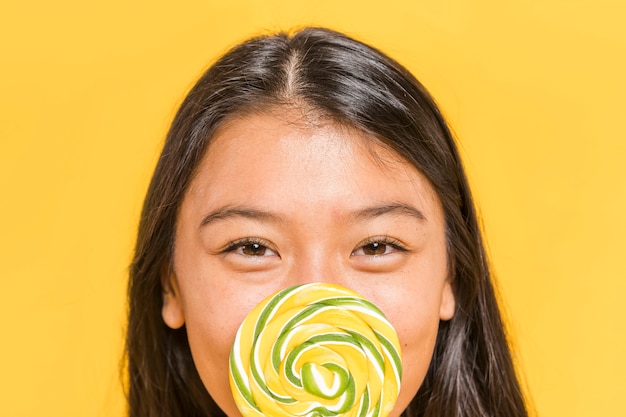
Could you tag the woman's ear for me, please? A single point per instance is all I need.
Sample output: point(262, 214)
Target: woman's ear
point(172, 311)
point(448, 302)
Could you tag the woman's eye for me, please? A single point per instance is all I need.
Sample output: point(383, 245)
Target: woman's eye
point(377, 248)
point(250, 248)
point(255, 249)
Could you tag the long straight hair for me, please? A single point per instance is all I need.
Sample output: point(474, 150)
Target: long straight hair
point(353, 84)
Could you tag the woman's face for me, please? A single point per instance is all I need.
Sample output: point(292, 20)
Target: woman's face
point(277, 202)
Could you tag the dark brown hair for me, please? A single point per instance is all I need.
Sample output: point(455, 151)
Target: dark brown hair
point(350, 83)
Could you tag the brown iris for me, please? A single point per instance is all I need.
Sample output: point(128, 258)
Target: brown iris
point(254, 249)
point(375, 248)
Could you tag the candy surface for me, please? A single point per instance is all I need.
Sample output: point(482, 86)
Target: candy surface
point(315, 350)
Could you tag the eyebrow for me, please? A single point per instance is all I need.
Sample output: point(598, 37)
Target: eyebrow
point(228, 212)
point(388, 209)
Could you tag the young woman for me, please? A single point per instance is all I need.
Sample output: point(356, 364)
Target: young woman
point(311, 157)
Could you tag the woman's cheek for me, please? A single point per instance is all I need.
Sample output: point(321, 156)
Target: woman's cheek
point(211, 335)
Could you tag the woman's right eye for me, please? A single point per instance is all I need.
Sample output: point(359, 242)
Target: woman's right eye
point(250, 247)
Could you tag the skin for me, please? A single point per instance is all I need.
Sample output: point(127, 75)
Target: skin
point(278, 202)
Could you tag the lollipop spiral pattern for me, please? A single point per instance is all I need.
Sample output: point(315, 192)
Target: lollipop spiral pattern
point(315, 350)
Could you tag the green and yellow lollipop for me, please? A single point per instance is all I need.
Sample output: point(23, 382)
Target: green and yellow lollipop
point(315, 350)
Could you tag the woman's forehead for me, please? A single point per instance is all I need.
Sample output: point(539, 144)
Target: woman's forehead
point(260, 157)
point(286, 126)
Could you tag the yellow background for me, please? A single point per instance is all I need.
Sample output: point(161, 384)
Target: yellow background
point(534, 89)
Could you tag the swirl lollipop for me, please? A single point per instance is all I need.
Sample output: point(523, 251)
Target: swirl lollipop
point(315, 350)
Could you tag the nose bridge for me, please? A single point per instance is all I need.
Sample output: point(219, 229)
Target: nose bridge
point(317, 265)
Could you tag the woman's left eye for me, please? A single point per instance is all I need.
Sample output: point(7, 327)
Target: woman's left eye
point(379, 247)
